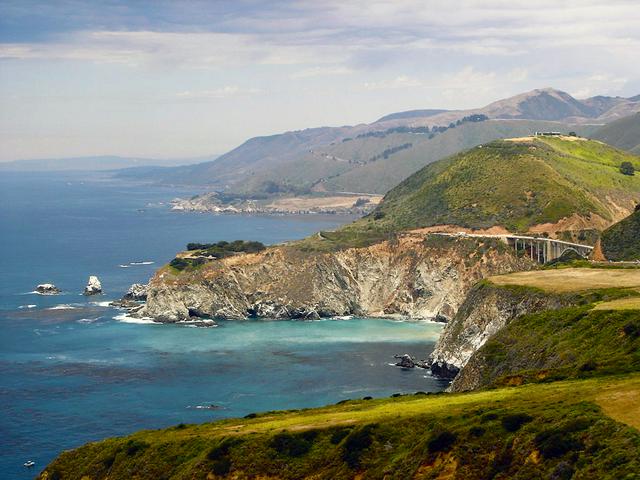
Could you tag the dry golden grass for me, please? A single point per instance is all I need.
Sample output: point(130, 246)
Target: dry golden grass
point(622, 403)
point(632, 303)
point(572, 279)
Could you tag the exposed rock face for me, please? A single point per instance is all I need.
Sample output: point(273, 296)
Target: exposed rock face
point(413, 276)
point(93, 287)
point(486, 310)
point(406, 361)
point(137, 293)
point(47, 289)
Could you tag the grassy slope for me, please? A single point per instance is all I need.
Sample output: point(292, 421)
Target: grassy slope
point(623, 133)
point(505, 183)
point(515, 184)
point(303, 168)
point(598, 334)
point(622, 240)
point(529, 432)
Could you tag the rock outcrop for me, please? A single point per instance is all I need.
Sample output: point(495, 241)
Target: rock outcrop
point(486, 310)
point(47, 289)
point(136, 293)
point(414, 275)
point(93, 287)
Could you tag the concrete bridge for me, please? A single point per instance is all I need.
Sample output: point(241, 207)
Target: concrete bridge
point(540, 249)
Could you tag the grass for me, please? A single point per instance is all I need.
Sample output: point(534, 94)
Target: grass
point(621, 242)
point(523, 432)
point(571, 342)
point(572, 279)
point(632, 303)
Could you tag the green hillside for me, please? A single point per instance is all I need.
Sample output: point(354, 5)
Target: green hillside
point(623, 133)
point(515, 184)
point(598, 334)
point(622, 240)
point(562, 430)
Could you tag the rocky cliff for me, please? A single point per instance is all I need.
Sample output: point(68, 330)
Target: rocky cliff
point(413, 275)
point(485, 311)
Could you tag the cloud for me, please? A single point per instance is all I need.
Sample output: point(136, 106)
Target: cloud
point(322, 71)
point(216, 93)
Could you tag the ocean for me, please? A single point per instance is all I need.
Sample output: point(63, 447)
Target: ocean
point(73, 369)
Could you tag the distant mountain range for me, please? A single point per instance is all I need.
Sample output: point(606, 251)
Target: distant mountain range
point(94, 164)
point(623, 133)
point(374, 157)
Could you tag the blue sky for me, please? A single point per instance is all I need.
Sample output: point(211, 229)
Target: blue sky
point(193, 78)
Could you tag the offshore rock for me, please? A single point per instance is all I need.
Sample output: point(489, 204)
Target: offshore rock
point(93, 287)
point(406, 361)
point(47, 289)
point(414, 276)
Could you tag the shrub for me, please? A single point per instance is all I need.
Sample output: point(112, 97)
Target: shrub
point(476, 431)
point(356, 443)
point(513, 422)
point(627, 168)
point(134, 446)
point(339, 435)
point(442, 442)
point(221, 467)
point(555, 443)
point(632, 330)
point(292, 445)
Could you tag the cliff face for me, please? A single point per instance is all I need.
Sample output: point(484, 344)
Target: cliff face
point(413, 275)
point(485, 311)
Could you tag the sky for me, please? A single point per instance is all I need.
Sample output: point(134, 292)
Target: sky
point(182, 79)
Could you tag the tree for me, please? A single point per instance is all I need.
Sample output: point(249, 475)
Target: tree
point(627, 168)
point(573, 134)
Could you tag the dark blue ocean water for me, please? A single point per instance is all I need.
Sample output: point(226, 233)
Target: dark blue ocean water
point(70, 373)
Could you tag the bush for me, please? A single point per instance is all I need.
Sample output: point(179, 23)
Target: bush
point(221, 467)
point(513, 422)
point(555, 443)
point(632, 330)
point(356, 443)
point(293, 445)
point(442, 442)
point(627, 168)
point(476, 431)
point(339, 435)
point(134, 446)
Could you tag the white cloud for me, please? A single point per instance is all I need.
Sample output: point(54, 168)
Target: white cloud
point(223, 92)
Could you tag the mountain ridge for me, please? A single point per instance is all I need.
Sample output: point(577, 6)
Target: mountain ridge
point(322, 159)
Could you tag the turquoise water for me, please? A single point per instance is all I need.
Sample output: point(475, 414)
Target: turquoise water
point(70, 373)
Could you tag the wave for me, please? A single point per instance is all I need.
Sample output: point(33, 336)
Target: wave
point(27, 306)
point(146, 262)
point(124, 266)
point(62, 306)
point(105, 303)
point(126, 318)
point(87, 320)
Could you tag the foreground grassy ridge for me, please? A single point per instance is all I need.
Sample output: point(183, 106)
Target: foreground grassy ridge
point(529, 432)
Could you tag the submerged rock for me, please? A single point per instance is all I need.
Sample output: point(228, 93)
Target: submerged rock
point(93, 287)
point(47, 289)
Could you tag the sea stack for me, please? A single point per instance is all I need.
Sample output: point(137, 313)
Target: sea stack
point(93, 287)
point(47, 289)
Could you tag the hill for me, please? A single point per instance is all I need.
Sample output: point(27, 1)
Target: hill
point(561, 430)
point(623, 133)
point(93, 164)
point(621, 242)
point(373, 157)
point(518, 184)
